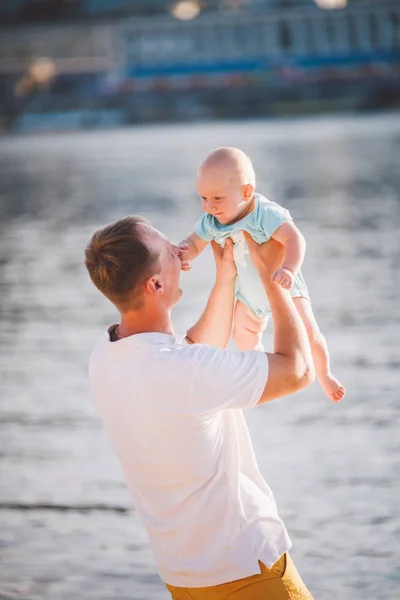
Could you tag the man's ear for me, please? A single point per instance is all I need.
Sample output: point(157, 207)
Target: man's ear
point(248, 192)
point(154, 285)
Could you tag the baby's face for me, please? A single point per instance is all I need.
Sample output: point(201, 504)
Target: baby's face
point(221, 194)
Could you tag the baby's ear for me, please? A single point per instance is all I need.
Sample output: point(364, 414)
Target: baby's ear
point(248, 191)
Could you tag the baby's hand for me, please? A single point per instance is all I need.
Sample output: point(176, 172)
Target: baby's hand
point(184, 255)
point(283, 277)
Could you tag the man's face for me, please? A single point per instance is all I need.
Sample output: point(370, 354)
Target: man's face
point(169, 269)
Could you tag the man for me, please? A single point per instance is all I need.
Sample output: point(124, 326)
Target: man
point(172, 409)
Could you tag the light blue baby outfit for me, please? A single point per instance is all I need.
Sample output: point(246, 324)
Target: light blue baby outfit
point(261, 223)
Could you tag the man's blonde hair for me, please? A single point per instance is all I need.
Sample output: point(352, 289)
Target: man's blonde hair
point(118, 260)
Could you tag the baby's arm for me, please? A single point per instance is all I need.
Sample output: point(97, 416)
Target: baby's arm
point(295, 246)
point(190, 247)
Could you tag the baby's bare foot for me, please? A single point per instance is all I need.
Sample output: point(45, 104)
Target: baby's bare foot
point(332, 388)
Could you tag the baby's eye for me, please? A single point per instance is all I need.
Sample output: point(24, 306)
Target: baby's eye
point(218, 197)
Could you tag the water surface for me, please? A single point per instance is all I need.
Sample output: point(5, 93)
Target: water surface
point(67, 528)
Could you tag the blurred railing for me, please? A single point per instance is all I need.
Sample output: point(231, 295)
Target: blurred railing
point(308, 34)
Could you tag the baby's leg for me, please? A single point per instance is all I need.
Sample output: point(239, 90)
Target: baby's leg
point(319, 349)
point(248, 328)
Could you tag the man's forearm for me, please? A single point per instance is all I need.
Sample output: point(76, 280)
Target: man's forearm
point(290, 338)
point(289, 331)
point(215, 324)
point(290, 364)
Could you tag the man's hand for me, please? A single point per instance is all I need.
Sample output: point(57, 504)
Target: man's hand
point(267, 257)
point(283, 277)
point(224, 261)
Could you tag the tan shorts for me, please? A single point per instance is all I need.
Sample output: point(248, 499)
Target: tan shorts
point(280, 582)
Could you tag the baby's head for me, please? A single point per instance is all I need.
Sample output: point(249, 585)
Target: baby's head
point(225, 182)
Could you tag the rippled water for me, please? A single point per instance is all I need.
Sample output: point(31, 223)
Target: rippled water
point(67, 529)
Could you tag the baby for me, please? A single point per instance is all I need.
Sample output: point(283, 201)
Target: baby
point(226, 183)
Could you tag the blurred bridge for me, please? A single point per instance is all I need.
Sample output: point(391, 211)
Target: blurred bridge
point(224, 62)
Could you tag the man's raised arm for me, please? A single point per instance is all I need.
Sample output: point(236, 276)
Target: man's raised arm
point(290, 365)
point(215, 324)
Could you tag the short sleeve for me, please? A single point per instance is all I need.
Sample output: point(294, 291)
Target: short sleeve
point(225, 379)
point(203, 228)
point(272, 216)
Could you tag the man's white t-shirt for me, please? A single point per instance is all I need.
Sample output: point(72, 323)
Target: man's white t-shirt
point(173, 413)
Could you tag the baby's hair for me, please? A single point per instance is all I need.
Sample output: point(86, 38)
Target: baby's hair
point(235, 159)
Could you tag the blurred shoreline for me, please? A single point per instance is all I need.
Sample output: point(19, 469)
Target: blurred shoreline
point(370, 119)
point(84, 120)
